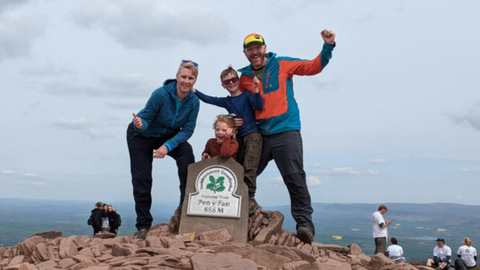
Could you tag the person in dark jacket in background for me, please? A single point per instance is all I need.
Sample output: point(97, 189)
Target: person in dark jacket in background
point(95, 219)
point(113, 220)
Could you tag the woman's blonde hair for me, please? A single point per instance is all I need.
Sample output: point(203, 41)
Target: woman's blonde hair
point(188, 64)
point(467, 241)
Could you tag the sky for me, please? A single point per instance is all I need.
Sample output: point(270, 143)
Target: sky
point(394, 117)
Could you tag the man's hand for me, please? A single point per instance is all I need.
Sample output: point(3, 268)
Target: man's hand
point(238, 121)
point(256, 82)
point(205, 156)
point(328, 36)
point(137, 121)
point(161, 152)
point(194, 90)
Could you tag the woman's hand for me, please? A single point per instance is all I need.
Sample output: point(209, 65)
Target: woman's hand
point(161, 152)
point(205, 156)
point(137, 121)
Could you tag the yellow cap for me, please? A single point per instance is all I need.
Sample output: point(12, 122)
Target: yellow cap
point(253, 37)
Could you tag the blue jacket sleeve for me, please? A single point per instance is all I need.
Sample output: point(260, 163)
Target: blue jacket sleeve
point(187, 130)
point(255, 101)
point(153, 106)
point(220, 102)
point(326, 54)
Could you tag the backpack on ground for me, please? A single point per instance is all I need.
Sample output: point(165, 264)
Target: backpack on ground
point(460, 265)
point(90, 220)
point(119, 220)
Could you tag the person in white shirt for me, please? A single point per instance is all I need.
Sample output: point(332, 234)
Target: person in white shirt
point(441, 254)
point(379, 226)
point(467, 253)
point(395, 252)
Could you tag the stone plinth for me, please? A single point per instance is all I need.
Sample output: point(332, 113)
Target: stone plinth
point(216, 198)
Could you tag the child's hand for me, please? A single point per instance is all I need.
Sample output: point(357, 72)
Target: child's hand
point(256, 82)
point(229, 132)
point(205, 156)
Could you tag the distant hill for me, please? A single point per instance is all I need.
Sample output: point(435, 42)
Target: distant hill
point(417, 224)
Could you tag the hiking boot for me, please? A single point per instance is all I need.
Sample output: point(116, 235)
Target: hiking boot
point(305, 235)
point(142, 234)
point(252, 206)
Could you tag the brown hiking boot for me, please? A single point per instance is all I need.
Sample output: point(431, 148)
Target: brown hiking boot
point(142, 234)
point(252, 206)
point(305, 235)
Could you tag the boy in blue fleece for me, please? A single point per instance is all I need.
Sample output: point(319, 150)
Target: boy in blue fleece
point(242, 104)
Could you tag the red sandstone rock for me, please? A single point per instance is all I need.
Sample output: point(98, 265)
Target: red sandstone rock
point(216, 236)
point(299, 265)
point(378, 261)
point(210, 262)
point(355, 249)
point(273, 248)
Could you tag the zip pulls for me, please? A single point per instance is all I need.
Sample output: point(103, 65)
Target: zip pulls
point(177, 109)
point(268, 76)
point(178, 105)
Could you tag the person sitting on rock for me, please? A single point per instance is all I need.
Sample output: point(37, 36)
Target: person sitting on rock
point(113, 220)
point(468, 254)
point(395, 252)
point(441, 255)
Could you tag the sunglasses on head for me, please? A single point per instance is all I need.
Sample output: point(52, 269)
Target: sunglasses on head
point(189, 61)
point(225, 115)
point(232, 80)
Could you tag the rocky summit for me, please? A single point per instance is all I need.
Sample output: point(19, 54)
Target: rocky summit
point(269, 247)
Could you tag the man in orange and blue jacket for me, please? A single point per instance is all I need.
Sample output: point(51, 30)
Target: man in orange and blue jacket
point(279, 121)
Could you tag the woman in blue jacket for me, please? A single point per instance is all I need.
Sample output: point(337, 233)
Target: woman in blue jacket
point(162, 128)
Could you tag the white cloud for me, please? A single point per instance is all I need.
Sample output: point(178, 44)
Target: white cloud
point(316, 165)
point(17, 33)
point(313, 181)
point(458, 197)
point(144, 24)
point(347, 171)
point(86, 127)
point(6, 4)
point(377, 161)
point(8, 172)
point(46, 70)
point(343, 171)
point(465, 170)
point(470, 117)
point(127, 85)
point(39, 183)
point(31, 175)
point(72, 124)
point(276, 180)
